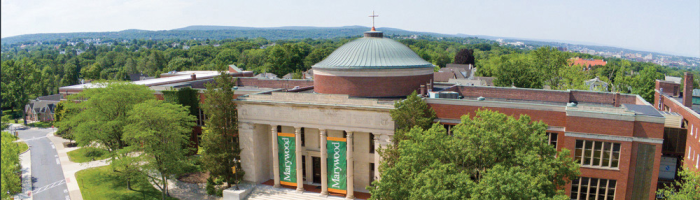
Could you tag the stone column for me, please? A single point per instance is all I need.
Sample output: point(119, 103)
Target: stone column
point(324, 163)
point(381, 141)
point(275, 156)
point(351, 166)
point(300, 167)
point(377, 157)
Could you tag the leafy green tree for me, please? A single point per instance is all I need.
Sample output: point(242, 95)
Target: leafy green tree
point(158, 131)
point(20, 82)
point(130, 66)
point(227, 57)
point(253, 60)
point(688, 187)
point(408, 113)
point(549, 61)
point(180, 64)
point(220, 139)
point(11, 183)
point(572, 77)
point(518, 70)
point(489, 156)
point(317, 55)
point(644, 83)
point(101, 113)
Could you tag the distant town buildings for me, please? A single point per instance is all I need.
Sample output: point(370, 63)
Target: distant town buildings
point(587, 64)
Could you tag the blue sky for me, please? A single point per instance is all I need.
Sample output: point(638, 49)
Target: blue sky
point(660, 26)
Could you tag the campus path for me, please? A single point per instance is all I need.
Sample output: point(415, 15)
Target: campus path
point(47, 179)
point(70, 168)
point(26, 161)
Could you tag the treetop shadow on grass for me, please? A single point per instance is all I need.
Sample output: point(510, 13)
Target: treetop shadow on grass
point(102, 183)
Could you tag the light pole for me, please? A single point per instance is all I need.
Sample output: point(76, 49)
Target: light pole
point(235, 173)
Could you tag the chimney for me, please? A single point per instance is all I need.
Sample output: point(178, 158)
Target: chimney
point(688, 90)
point(616, 99)
point(194, 76)
point(422, 90)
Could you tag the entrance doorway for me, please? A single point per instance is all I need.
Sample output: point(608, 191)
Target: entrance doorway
point(316, 161)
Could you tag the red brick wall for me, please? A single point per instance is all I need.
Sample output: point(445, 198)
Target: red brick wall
point(599, 126)
point(621, 175)
point(398, 86)
point(648, 130)
point(692, 141)
point(669, 88)
point(551, 118)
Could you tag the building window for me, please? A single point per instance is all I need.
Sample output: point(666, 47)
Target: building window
point(371, 143)
point(345, 134)
point(302, 138)
point(279, 129)
point(303, 168)
point(552, 139)
point(202, 118)
point(371, 173)
point(597, 154)
point(449, 129)
point(592, 188)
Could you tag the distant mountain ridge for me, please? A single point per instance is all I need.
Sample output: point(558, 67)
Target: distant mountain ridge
point(218, 33)
point(275, 33)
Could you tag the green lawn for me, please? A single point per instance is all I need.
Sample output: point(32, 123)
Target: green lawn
point(22, 147)
point(87, 154)
point(102, 183)
point(41, 124)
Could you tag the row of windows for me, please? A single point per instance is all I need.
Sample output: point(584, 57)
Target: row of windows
point(597, 154)
point(551, 137)
point(692, 156)
point(345, 135)
point(585, 188)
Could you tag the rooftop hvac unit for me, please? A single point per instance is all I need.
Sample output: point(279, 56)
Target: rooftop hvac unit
point(449, 95)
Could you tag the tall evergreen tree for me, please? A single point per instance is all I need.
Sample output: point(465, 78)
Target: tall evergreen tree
point(220, 140)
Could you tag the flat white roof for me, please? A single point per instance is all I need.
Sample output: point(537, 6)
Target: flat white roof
point(153, 82)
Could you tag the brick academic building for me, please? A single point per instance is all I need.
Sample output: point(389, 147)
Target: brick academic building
point(325, 132)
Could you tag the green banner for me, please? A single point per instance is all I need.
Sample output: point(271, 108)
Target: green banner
point(337, 165)
point(287, 159)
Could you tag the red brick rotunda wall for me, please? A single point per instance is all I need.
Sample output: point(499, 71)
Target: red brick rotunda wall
point(371, 82)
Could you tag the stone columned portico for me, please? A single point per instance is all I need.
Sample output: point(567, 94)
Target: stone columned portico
point(365, 125)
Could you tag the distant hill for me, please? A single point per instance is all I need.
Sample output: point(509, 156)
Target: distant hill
point(218, 33)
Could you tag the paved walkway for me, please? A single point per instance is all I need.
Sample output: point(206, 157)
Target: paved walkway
point(188, 191)
point(69, 167)
point(26, 161)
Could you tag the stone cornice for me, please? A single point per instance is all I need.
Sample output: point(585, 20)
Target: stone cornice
point(498, 104)
point(614, 137)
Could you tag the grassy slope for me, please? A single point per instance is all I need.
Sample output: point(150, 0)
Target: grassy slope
point(102, 183)
point(86, 154)
point(22, 147)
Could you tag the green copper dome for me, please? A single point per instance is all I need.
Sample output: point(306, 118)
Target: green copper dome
point(373, 53)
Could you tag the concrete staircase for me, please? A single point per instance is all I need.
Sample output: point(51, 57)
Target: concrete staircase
point(266, 192)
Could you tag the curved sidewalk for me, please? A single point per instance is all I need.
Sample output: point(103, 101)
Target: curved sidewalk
point(69, 167)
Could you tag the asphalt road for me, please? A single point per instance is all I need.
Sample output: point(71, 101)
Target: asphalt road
point(47, 174)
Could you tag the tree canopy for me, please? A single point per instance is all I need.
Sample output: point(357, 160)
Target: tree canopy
point(11, 183)
point(489, 156)
point(688, 187)
point(101, 113)
point(158, 131)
